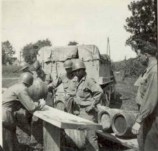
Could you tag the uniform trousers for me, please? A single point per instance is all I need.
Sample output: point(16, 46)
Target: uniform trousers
point(91, 134)
point(151, 142)
point(143, 132)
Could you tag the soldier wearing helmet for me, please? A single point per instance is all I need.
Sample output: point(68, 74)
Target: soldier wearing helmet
point(16, 98)
point(25, 67)
point(39, 73)
point(69, 84)
point(88, 95)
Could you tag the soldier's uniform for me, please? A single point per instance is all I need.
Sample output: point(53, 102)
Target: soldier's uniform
point(148, 101)
point(69, 83)
point(88, 94)
point(15, 98)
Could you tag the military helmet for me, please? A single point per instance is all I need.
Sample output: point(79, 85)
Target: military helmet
point(36, 65)
point(78, 64)
point(26, 78)
point(24, 66)
point(68, 64)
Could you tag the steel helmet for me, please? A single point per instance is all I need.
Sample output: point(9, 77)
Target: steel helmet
point(26, 78)
point(78, 64)
point(68, 64)
point(24, 66)
point(36, 65)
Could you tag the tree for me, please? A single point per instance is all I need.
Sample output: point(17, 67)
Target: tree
point(30, 51)
point(7, 52)
point(72, 43)
point(142, 25)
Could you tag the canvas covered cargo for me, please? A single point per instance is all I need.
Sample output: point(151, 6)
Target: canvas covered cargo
point(88, 53)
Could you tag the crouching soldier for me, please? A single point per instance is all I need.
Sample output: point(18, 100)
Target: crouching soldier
point(16, 98)
point(88, 95)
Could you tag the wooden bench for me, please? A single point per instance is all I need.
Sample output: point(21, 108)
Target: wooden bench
point(54, 120)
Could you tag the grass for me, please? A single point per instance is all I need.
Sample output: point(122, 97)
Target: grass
point(10, 71)
point(8, 82)
point(10, 75)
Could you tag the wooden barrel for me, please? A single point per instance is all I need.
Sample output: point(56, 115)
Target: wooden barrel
point(122, 123)
point(105, 117)
point(38, 90)
point(78, 137)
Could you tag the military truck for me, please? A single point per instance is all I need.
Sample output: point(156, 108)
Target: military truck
point(97, 66)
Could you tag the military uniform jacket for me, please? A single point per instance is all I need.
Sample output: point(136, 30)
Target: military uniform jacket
point(147, 92)
point(69, 84)
point(17, 96)
point(88, 92)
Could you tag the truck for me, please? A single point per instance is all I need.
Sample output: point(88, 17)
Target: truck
point(97, 66)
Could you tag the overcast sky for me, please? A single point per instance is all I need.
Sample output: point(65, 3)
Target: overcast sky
point(84, 21)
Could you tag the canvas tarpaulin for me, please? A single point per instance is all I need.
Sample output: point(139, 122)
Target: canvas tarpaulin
point(88, 52)
point(63, 53)
point(84, 52)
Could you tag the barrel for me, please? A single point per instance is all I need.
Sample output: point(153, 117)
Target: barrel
point(122, 123)
point(38, 90)
point(78, 137)
point(105, 117)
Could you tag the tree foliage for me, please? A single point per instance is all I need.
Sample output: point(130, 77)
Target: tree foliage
point(142, 25)
point(72, 43)
point(131, 67)
point(7, 52)
point(30, 51)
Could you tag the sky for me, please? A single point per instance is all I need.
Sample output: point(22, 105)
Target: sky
point(84, 21)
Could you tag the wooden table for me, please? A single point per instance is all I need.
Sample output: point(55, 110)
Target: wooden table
point(54, 120)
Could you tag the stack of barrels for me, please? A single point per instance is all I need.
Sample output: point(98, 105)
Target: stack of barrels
point(116, 120)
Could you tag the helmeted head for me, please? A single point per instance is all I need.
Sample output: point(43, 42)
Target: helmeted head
point(25, 67)
point(37, 65)
point(78, 68)
point(68, 66)
point(26, 78)
point(78, 64)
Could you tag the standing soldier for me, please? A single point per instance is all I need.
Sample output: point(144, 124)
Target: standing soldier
point(25, 68)
point(147, 100)
point(39, 73)
point(69, 84)
point(88, 96)
point(16, 98)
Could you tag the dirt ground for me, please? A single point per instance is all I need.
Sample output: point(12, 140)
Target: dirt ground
point(126, 93)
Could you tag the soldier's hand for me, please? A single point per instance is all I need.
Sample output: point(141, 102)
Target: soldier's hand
point(76, 100)
point(135, 128)
point(89, 108)
point(42, 103)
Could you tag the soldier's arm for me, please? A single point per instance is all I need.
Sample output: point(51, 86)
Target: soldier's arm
point(96, 90)
point(151, 99)
point(27, 102)
point(55, 83)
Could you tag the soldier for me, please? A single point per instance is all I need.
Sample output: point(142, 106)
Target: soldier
point(69, 84)
point(88, 96)
point(25, 67)
point(147, 100)
point(16, 98)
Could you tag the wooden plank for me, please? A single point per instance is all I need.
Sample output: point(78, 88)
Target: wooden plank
point(130, 143)
point(51, 137)
point(65, 120)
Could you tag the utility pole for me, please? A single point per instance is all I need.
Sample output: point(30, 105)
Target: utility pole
point(108, 47)
point(20, 56)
